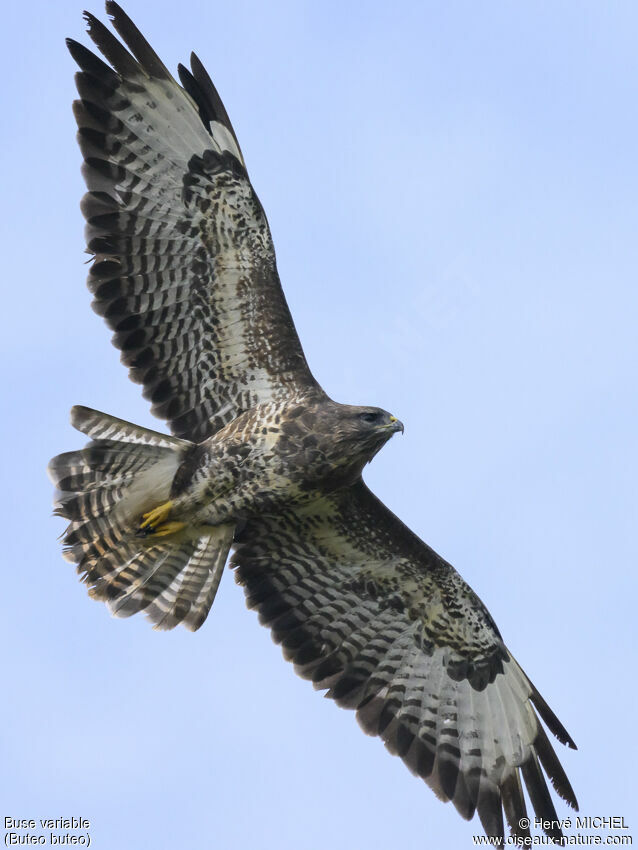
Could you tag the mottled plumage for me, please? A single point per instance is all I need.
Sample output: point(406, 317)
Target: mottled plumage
point(262, 460)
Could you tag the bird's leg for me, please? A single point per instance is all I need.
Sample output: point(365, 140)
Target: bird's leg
point(154, 522)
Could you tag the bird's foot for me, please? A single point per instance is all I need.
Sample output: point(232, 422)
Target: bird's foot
point(154, 519)
point(166, 528)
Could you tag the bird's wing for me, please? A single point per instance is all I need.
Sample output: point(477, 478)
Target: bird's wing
point(184, 267)
point(364, 608)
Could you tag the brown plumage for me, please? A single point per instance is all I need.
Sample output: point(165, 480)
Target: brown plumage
point(184, 273)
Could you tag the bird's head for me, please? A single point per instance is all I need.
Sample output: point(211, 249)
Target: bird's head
point(364, 430)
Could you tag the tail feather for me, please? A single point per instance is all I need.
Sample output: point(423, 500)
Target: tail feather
point(181, 584)
point(103, 426)
point(204, 590)
point(103, 490)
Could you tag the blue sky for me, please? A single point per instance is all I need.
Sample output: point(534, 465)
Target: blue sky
point(452, 190)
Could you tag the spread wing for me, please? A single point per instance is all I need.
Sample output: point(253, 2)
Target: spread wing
point(184, 267)
point(364, 608)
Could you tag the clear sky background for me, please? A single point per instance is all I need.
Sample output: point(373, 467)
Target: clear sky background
point(453, 194)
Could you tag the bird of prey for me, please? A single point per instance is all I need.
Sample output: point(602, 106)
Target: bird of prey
point(261, 461)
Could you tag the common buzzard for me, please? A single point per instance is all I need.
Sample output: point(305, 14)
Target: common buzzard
point(261, 460)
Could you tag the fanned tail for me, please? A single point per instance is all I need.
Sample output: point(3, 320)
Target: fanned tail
point(103, 489)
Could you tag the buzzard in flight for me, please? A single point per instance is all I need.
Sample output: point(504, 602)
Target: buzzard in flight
point(261, 460)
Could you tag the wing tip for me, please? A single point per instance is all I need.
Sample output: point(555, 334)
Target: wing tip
point(550, 719)
point(147, 58)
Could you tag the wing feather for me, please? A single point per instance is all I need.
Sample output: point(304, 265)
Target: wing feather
point(184, 267)
point(363, 608)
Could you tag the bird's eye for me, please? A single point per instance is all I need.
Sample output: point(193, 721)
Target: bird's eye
point(369, 417)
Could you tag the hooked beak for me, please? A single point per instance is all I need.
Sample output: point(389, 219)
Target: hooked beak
point(396, 424)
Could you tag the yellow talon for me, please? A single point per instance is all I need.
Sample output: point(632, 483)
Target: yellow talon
point(168, 528)
point(156, 516)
